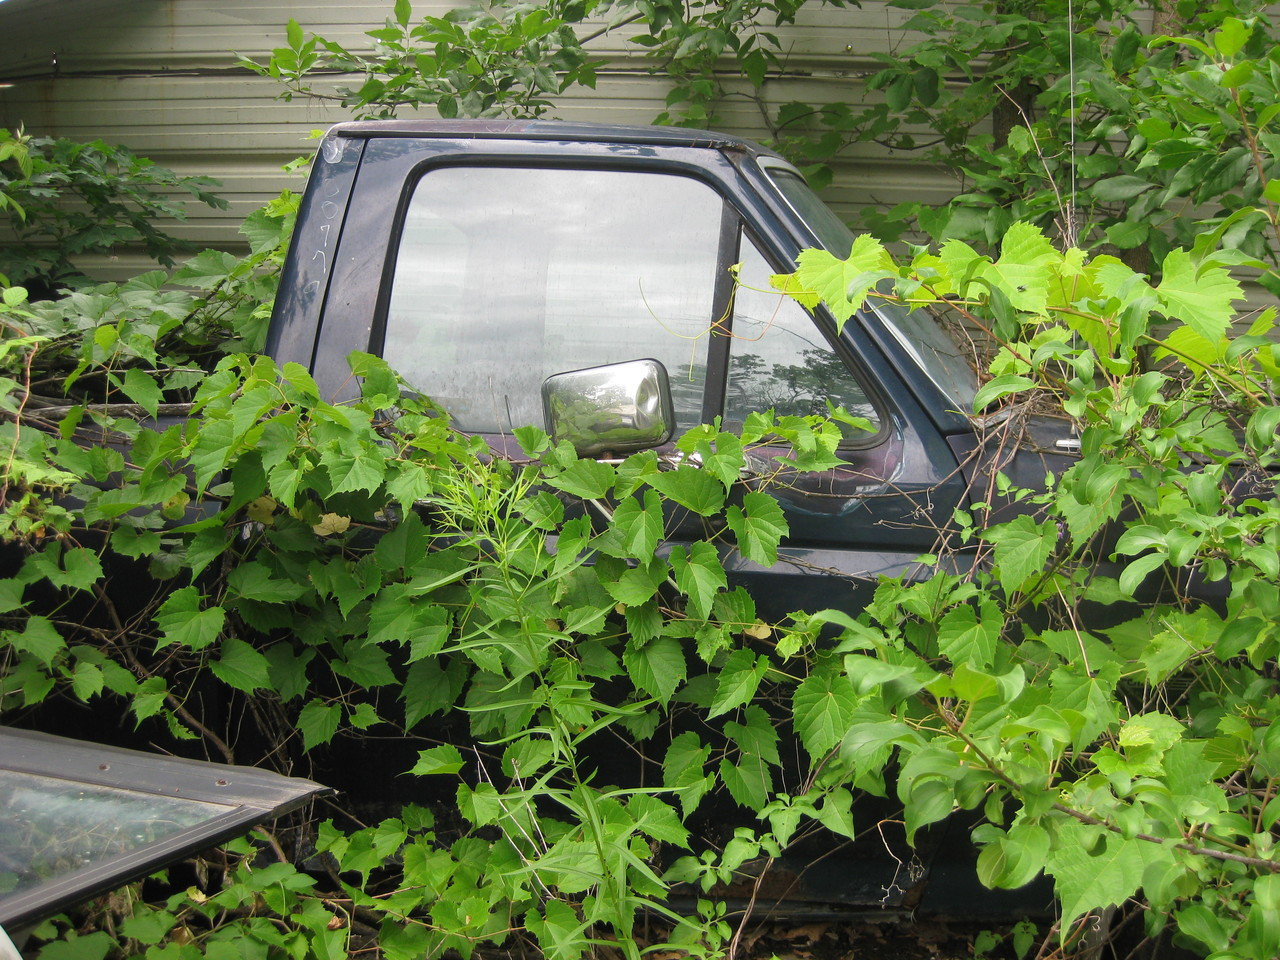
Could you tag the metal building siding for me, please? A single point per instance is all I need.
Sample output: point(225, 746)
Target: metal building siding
point(159, 76)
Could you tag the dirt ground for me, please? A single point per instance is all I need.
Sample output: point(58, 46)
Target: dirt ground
point(889, 938)
point(872, 940)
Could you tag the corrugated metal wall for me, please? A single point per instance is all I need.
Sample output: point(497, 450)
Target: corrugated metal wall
point(159, 77)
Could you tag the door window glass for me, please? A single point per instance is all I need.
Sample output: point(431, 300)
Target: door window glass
point(505, 276)
point(779, 358)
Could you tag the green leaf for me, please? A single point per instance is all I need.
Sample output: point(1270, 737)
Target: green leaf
point(684, 770)
point(206, 269)
point(1264, 428)
point(589, 479)
point(635, 530)
point(11, 591)
point(544, 510)
point(182, 621)
point(1094, 869)
point(963, 638)
point(117, 679)
point(241, 666)
point(721, 455)
point(77, 567)
point(143, 390)
point(286, 479)
point(740, 677)
point(253, 581)
point(755, 735)
point(1128, 234)
point(644, 622)
point(754, 65)
point(690, 487)
point(823, 706)
point(533, 440)
point(39, 637)
point(699, 575)
point(206, 546)
point(868, 674)
point(1120, 189)
point(749, 781)
point(288, 671)
point(926, 82)
point(431, 688)
point(897, 95)
point(329, 944)
point(1001, 386)
point(378, 383)
point(633, 586)
point(1011, 860)
point(318, 722)
point(759, 527)
point(657, 667)
point(74, 946)
point(149, 698)
point(364, 664)
point(559, 932)
point(927, 801)
point(1197, 921)
point(1124, 53)
point(1137, 570)
point(736, 609)
point(527, 755)
point(1231, 37)
point(81, 568)
point(836, 813)
point(1023, 271)
point(843, 285)
point(148, 926)
point(657, 820)
point(1201, 298)
point(963, 264)
point(408, 482)
point(1020, 140)
point(1022, 548)
point(87, 680)
point(442, 759)
point(361, 471)
point(265, 232)
point(399, 616)
point(867, 743)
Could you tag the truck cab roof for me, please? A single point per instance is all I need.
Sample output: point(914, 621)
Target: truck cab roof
point(553, 130)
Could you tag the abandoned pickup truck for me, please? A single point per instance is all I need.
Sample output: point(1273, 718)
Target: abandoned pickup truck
point(483, 258)
point(499, 264)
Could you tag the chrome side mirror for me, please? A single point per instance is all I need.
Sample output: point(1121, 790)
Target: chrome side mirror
point(616, 408)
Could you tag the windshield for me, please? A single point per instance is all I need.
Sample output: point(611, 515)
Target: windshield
point(932, 347)
point(79, 818)
point(54, 827)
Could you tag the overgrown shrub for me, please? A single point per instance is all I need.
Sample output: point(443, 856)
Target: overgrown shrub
point(66, 199)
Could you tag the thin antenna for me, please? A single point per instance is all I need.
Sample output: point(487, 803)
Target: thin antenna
point(1069, 231)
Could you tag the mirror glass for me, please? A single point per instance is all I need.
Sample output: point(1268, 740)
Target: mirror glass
point(616, 408)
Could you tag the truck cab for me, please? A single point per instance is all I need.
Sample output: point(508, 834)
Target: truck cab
point(481, 258)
